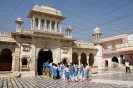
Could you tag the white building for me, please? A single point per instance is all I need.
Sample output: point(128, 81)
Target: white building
point(24, 51)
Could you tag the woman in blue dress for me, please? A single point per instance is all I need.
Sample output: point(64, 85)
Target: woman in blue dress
point(87, 72)
point(67, 73)
point(72, 71)
point(54, 71)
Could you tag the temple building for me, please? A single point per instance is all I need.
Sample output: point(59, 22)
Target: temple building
point(24, 51)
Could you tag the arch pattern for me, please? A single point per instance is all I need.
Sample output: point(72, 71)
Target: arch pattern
point(91, 59)
point(115, 59)
point(83, 58)
point(75, 57)
point(46, 24)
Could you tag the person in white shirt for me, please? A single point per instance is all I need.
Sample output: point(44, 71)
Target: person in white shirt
point(127, 66)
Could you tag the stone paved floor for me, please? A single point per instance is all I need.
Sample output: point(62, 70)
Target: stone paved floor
point(106, 80)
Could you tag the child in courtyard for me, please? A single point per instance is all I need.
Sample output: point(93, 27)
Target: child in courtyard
point(81, 72)
point(67, 73)
point(72, 72)
point(76, 72)
point(87, 72)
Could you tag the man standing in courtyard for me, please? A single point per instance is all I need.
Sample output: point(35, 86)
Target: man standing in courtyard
point(127, 66)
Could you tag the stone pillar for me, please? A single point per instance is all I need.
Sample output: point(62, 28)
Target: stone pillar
point(79, 57)
point(39, 21)
point(45, 25)
point(60, 27)
point(88, 60)
point(13, 62)
point(33, 26)
point(16, 26)
point(99, 57)
point(50, 25)
point(55, 27)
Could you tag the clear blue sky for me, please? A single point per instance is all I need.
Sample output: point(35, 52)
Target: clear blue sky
point(113, 17)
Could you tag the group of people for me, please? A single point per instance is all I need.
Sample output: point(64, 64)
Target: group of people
point(66, 72)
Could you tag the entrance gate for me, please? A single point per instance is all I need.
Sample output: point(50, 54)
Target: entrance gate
point(43, 56)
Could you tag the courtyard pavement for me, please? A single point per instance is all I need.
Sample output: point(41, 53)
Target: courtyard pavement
point(111, 78)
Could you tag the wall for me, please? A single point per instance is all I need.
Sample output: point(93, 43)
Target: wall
point(129, 57)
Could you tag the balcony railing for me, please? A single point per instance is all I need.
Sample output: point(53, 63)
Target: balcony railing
point(6, 39)
point(119, 48)
point(3, 33)
point(46, 29)
point(109, 51)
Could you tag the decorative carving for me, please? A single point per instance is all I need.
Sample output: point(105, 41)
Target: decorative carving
point(26, 47)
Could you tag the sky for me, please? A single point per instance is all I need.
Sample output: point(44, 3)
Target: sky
point(113, 17)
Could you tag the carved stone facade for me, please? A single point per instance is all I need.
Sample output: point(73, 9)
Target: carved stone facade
point(45, 37)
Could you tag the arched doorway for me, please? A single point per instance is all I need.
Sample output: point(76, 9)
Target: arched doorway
point(43, 56)
point(65, 61)
point(83, 58)
point(91, 59)
point(114, 62)
point(75, 57)
point(114, 59)
point(6, 60)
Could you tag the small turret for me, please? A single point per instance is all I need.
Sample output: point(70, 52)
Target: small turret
point(19, 22)
point(97, 35)
point(69, 31)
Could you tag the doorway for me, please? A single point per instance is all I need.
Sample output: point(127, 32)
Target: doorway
point(6, 60)
point(91, 59)
point(106, 63)
point(64, 61)
point(43, 56)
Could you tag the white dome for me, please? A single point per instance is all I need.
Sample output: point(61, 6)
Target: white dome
point(19, 19)
point(97, 30)
point(69, 27)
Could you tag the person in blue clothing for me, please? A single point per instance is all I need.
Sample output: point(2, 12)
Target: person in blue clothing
point(87, 72)
point(67, 73)
point(81, 71)
point(76, 72)
point(72, 69)
point(55, 71)
point(61, 70)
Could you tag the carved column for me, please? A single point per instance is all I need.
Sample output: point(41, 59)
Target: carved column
point(50, 25)
point(79, 57)
point(39, 21)
point(60, 27)
point(88, 60)
point(13, 62)
point(33, 27)
point(45, 25)
point(55, 27)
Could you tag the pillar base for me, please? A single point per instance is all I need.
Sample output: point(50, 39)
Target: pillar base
point(101, 69)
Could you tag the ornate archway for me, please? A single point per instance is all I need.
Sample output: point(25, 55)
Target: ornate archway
point(91, 59)
point(83, 58)
point(6, 60)
point(43, 56)
point(114, 59)
point(75, 57)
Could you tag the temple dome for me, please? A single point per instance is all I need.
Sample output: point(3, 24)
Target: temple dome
point(97, 31)
point(19, 20)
